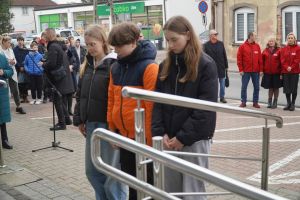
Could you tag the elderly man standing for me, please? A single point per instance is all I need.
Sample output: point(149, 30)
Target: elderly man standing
point(215, 49)
point(249, 61)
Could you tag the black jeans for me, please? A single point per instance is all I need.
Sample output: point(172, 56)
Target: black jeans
point(3, 132)
point(61, 109)
point(127, 160)
point(36, 86)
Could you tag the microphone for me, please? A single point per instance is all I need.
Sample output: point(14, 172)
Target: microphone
point(3, 84)
point(25, 49)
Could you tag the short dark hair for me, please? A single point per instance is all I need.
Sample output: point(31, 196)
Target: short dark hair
point(20, 38)
point(124, 33)
point(33, 43)
point(78, 40)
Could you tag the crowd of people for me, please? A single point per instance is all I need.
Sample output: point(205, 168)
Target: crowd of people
point(60, 69)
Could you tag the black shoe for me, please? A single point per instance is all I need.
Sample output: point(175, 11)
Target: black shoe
point(68, 121)
point(20, 110)
point(45, 100)
point(292, 107)
point(58, 127)
point(287, 107)
point(6, 145)
point(223, 100)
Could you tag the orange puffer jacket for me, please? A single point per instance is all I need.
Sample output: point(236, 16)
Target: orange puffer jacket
point(137, 70)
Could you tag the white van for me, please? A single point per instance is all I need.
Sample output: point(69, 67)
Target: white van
point(65, 33)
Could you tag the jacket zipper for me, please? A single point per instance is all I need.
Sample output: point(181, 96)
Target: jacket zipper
point(121, 106)
point(177, 76)
point(90, 88)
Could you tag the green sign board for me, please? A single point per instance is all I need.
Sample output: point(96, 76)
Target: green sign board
point(119, 8)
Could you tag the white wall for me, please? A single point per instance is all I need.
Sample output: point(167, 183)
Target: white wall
point(189, 9)
point(23, 22)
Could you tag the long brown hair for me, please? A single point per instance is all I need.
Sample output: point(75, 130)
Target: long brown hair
point(192, 51)
point(98, 33)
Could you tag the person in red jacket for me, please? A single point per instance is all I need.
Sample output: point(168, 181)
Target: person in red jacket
point(290, 61)
point(249, 62)
point(272, 71)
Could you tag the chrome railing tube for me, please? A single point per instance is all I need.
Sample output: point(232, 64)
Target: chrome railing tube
point(173, 163)
point(139, 126)
point(118, 174)
point(196, 104)
point(265, 158)
point(158, 169)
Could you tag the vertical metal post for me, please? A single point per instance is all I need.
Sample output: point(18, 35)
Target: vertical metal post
point(158, 168)
point(265, 157)
point(139, 124)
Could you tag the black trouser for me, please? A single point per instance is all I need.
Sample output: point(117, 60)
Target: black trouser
point(61, 109)
point(14, 89)
point(46, 87)
point(3, 132)
point(127, 160)
point(36, 86)
point(68, 99)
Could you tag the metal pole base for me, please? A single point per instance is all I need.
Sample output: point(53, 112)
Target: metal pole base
point(53, 146)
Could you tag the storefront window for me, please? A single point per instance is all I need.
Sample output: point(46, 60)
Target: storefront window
point(82, 20)
point(54, 21)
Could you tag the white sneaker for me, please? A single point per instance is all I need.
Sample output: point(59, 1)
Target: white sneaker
point(32, 102)
point(39, 101)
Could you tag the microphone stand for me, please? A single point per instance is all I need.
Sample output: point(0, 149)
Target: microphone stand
point(55, 144)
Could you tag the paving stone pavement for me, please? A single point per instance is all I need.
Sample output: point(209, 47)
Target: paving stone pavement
point(59, 174)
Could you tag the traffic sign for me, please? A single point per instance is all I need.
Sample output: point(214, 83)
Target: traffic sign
point(202, 6)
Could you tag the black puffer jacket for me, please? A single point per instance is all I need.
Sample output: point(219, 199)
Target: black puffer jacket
point(56, 57)
point(92, 92)
point(188, 125)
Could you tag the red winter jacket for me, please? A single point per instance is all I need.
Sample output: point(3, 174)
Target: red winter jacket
point(290, 56)
point(249, 57)
point(271, 61)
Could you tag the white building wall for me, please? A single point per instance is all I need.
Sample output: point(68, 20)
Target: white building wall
point(23, 22)
point(189, 9)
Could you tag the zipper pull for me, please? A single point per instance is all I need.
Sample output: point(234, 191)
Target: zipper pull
point(176, 60)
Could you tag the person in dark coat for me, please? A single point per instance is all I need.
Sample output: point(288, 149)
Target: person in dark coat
point(216, 50)
point(20, 55)
point(187, 72)
point(5, 72)
point(57, 58)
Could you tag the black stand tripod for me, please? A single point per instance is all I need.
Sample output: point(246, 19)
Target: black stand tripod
point(55, 144)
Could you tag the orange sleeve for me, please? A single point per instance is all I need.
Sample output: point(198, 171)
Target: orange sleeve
point(149, 81)
point(110, 104)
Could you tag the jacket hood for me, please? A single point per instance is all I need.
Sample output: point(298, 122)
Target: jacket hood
point(144, 50)
point(90, 58)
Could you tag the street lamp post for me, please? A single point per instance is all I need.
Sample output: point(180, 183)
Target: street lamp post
point(95, 11)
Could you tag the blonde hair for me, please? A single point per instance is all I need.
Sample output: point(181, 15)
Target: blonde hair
point(98, 33)
point(276, 43)
point(192, 51)
point(293, 34)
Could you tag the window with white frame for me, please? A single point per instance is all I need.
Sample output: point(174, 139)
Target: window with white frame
point(290, 21)
point(244, 23)
point(25, 10)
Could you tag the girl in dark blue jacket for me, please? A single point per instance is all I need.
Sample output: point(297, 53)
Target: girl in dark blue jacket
point(188, 72)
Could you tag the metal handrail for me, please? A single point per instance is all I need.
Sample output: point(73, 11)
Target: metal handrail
point(170, 161)
point(196, 104)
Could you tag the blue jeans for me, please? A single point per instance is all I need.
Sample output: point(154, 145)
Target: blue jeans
point(255, 81)
point(105, 187)
point(222, 87)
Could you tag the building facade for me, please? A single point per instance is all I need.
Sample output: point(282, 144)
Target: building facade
point(273, 18)
point(150, 15)
point(23, 11)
